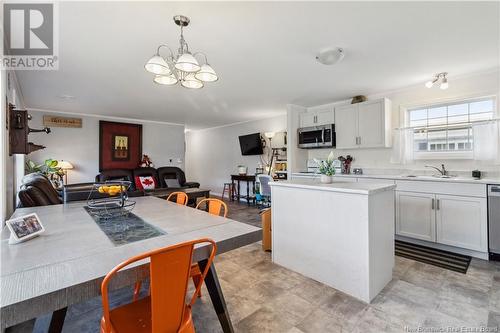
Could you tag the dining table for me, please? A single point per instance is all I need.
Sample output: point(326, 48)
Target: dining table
point(66, 264)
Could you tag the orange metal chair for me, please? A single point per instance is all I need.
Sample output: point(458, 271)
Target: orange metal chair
point(165, 310)
point(181, 198)
point(214, 206)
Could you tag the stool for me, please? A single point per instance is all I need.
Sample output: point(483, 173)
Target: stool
point(230, 190)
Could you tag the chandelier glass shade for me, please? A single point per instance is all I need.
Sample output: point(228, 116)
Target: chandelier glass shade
point(182, 67)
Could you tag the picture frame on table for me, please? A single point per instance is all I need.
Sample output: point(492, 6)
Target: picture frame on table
point(24, 228)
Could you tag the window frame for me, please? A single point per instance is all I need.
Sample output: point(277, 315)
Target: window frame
point(440, 155)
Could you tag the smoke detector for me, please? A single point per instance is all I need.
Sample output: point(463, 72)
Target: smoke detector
point(330, 56)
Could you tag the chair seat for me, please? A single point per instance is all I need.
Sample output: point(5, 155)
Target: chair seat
point(135, 317)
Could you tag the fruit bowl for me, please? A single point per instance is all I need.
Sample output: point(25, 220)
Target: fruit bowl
point(110, 199)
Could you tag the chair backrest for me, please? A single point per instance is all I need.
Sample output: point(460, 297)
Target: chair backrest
point(181, 198)
point(214, 206)
point(171, 172)
point(264, 180)
point(37, 190)
point(169, 276)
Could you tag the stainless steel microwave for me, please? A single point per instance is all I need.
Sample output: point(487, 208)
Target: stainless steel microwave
point(317, 136)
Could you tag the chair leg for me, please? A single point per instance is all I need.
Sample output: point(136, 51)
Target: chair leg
point(223, 191)
point(197, 281)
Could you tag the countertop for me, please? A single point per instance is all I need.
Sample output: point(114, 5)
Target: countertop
point(336, 186)
point(469, 180)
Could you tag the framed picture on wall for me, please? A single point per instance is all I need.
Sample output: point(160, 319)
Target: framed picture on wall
point(120, 145)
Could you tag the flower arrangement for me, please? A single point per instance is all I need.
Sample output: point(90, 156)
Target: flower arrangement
point(326, 167)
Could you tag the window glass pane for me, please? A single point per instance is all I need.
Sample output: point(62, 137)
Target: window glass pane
point(418, 114)
point(447, 127)
point(481, 106)
point(458, 109)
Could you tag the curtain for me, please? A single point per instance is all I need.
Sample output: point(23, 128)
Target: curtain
point(486, 145)
point(402, 147)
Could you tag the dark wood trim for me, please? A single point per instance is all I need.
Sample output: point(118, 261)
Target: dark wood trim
point(57, 320)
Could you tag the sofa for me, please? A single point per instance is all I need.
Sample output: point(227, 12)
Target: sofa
point(37, 190)
point(165, 177)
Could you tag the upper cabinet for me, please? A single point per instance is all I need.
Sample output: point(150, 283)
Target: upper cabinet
point(363, 125)
point(316, 116)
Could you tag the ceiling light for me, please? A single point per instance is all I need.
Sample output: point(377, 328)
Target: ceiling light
point(444, 83)
point(191, 82)
point(182, 67)
point(167, 80)
point(330, 56)
point(438, 77)
point(157, 65)
point(206, 74)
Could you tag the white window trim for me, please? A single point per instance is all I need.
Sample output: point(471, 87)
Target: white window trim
point(444, 155)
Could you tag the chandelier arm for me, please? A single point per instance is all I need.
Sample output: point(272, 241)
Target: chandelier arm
point(169, 49)
point(203, 54)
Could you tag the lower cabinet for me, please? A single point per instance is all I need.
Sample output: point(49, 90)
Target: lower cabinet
point(415, 216)
point(446, 219)
point(462, 222)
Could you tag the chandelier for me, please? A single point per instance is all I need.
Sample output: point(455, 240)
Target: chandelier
point(183, 67)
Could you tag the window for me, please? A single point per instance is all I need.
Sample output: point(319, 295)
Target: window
point(446, 128)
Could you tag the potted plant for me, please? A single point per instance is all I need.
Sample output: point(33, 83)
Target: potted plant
point(326, 169)
point(49, 169)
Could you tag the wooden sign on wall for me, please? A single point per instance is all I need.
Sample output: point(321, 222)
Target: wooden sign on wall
point(54, 121)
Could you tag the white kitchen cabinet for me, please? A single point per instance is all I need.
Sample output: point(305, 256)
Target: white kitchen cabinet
point(364, 125)
point(415, 215)
point(316, 116)
point(346, 126)
point(462, 222)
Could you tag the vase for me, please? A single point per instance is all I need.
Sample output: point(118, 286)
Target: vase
point(326, 179)
point(242, 170)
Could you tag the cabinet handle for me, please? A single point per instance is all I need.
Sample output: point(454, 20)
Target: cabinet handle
point(432, 203)
point(437, 204)
point(359, 140)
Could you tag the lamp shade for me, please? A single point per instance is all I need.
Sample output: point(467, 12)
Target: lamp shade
point(187, 63)
point(191, 82)
point(157, 65)
point(444, 84)
point(269, 135)
point(165, 79)
point(206, 74)
point(64, 165)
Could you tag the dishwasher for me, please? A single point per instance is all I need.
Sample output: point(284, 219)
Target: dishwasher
point(494, 221)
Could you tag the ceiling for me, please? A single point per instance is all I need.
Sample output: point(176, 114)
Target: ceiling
point(263, 52)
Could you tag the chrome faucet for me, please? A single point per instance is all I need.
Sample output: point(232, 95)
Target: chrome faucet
point(442, 171)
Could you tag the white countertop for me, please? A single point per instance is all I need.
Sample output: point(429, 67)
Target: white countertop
point(493, 181)
point(336, 186)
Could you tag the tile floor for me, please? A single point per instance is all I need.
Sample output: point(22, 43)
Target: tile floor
point(263, 297)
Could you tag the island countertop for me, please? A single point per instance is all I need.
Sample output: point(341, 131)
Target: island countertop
point(336, 186)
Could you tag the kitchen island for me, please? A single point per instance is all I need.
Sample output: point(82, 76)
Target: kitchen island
point(340, 234)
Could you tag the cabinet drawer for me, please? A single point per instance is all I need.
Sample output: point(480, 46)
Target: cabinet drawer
point(463, 189)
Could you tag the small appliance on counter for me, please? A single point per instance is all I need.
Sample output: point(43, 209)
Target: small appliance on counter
point(476, 174)
point(357, 171)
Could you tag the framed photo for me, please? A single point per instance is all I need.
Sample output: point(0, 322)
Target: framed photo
point(120, 145)
point(24, 227)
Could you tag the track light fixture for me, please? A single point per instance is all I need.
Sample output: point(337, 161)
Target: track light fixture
point(438, 77)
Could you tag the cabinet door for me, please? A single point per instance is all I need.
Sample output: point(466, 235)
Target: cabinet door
point(415, 216)
point(325, 117)
point(371, 124)
point(346, 126)
point(307, 119)
point(462, 222)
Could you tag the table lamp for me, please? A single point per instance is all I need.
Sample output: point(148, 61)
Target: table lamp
point(65, 166)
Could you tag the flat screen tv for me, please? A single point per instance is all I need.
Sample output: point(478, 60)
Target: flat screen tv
point(251, 144)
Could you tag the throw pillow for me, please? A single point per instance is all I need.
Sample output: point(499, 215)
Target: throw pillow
point(145, 183)
point(172, 183)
